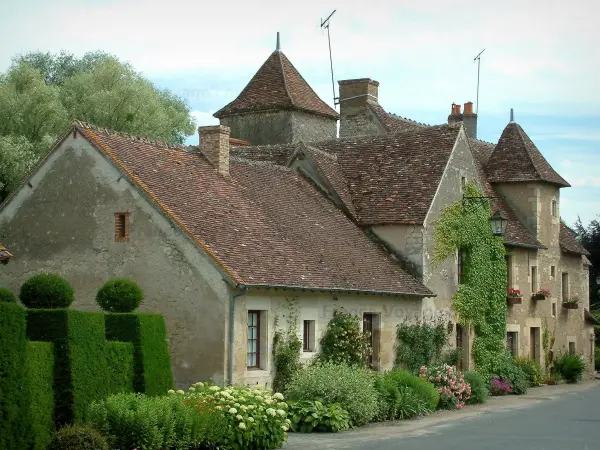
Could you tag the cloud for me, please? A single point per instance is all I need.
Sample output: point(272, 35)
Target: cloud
point(205, 118)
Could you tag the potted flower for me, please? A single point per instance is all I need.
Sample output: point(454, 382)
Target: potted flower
point(542, 294)
point(513, 296)
point(571, 303)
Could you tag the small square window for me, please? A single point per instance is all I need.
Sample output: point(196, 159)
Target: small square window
point(552, 271)
point(553, 309)
point(308, 340)
point(463, 182)
point(572, 348)
point(122, 227)
point(554, 211)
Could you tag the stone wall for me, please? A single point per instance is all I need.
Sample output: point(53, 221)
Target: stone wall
point(309, 127)
point(64, 223)
point(358, 121)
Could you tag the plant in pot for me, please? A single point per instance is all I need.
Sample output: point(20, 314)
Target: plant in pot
point(513, 296)
point(542, 294)
point(571, 303)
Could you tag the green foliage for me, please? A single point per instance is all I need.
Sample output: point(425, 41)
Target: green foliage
point(479, 388)
point(78, 437)
point(286, 349)
point(452, 356)
point(343, 341)
point(12, 374)
point(350, 386)
point(570, 366)
point(312, 415)
point(46, 290)
point(597, 358)
point(398, 401)
point(40, 395)
point(481, 297)
point(548, 339)
point(152, 361)
point(152, 423)
point(119, 360)
point(7, 296)
point(119, 296)
point(532, 370)
point(17, 157)
point(419, 344)
point(506, 368)
point(423, 388)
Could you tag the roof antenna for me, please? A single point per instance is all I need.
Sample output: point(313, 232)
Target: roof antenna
point(478, 59)
point(325, 24)
point(512, 116)
point(278, 47)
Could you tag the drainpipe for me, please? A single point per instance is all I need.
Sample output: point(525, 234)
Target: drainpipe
point(232, 331)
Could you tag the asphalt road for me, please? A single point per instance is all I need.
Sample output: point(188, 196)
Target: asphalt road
point(568, 422)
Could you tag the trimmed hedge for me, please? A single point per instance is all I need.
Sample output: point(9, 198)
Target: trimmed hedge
point(119, 359)
point(148, 334)
point(13, 346)
point(46, 290)
point(80, 357)
point(6, 295)
point(119, 296)
point(40, 394)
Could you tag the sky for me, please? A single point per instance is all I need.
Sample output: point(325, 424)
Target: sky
point(540, 58)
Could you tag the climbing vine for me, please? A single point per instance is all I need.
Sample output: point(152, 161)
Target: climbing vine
point(420, 344)
point(480, 300)
point(286, 347)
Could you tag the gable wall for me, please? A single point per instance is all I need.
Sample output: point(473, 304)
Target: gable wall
point(309, 127)
point(358, 121)
point(65, 224)
point(261, 128)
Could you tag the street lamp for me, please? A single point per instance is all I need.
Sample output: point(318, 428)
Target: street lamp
point(498, 221)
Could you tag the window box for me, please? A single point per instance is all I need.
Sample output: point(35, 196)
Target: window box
point(514, 297)
point(571, 303)
point(542, 294)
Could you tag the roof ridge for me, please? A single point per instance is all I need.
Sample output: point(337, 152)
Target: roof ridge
point(155, 143)
point(399, 117)
point(519, 129)
point(285, 86)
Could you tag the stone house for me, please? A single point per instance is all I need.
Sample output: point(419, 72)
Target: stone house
point(271, 216)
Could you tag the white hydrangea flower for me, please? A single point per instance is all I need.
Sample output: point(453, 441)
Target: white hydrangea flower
point(278, 396)
point(243, 407)
point(199, 384)
point(170, 392)
point(271, 412)
point(215, 388)
point(288, 421)
point(237, 405)
point(233, 411)
point(239, 417)
point(281, 412)
point(242, 425)
point(192, 389)
point(242, 399)
point(284, 427)
point(180, 392)
point(251, 419)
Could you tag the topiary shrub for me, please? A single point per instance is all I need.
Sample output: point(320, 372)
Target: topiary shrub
point(78, 437)
point(7, 296)
point(40, 393)
point(119, 296)
point(570, 366)
point(46, 290)
point(479, 388)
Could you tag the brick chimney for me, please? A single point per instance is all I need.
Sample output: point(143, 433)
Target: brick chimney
point(470, 120)
point(356, 118)
point(455, 115)
point(214, 145)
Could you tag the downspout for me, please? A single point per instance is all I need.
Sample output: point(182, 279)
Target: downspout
point(232, 332)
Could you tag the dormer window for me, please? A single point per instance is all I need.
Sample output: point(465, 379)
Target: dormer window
point(554, 209)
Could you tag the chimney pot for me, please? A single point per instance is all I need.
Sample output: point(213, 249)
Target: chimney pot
point(469, 108)
point(214, 145)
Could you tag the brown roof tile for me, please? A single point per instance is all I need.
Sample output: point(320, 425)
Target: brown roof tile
point(392, 122)
point(569, 243)
point(277, 85)
point(517, 159)
point(265, 224)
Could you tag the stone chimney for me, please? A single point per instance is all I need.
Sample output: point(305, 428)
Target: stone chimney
point(214, 145)
point(356, 118)
point(468, 118)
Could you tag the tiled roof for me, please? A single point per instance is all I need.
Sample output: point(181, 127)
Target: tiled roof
point(392, 122)
point(517, 159)
point(277, 154)
point(569, 243)
point(5, 254)
point(277, 85)
point(265, 224)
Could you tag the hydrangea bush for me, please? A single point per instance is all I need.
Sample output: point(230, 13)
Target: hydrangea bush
point(257, 418)
point(450, 383)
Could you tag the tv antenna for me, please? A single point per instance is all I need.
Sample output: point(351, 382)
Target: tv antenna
point(325, 24)
point(478, 59)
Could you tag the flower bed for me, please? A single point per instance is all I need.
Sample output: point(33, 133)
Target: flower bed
point(450, 383)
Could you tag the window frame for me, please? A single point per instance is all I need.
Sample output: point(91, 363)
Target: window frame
point(308, 336)
point(514, 339)
point(554, 208)
point(460, 268)
point(564, 286)
point(121, 227)
point(534, 283)
point(249, 339)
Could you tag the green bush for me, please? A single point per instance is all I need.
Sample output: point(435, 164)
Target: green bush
point(78, 437)
point(40, 394)
point(570, 366)
point(311, 415)
point(419, 344)
point(421, 387)
point(7, 296)
point(286, 355)
point(597, 358)
point(350, 386)
point(152, 361)
point(532, 370)
point(154, 423)
point(452, 357)
point(119, 360)
point(397, 401)
point(12, 374)
point(46, 290)
point(506, 368)
point(343, 341)
point(119, 296)
point(479, 388)
point(79, 357)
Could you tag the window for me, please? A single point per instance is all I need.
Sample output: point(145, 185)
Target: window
point(533, 279)
point(512, 338)
point(552, 271)
point(565, 286)
point(371, 323)
point(253, 357)
point(554, 212)
point(572, 348)
point(463, 182)
point(309, 336)
point(462, 259)
point(534, 343)
point(122, 227)
point(508, 259)
point(553, 309)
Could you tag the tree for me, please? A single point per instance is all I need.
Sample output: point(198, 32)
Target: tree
point(41, 93)
point(589, 237)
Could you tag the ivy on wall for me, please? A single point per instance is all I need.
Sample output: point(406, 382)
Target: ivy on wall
point(480, 300)
point(420, 344)
point(286, 347)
